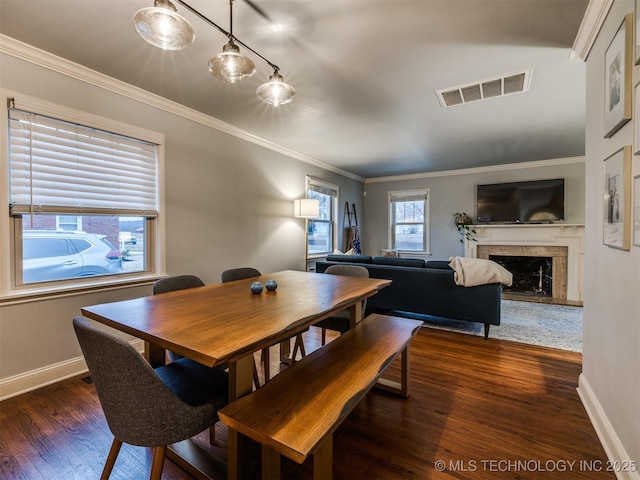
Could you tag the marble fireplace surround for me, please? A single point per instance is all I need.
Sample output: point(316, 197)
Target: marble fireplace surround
point(564, 243)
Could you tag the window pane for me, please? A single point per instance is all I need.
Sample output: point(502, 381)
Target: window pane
point(320, 228)
point(52, 254)
point(411, 211)
point(320, 238)
point(409, 237)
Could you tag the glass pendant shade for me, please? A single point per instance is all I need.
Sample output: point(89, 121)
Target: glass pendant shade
point(275, 92)
point(230, 65)
point(163, 27)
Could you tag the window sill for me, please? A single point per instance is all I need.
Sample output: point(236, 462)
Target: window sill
point(33, 294)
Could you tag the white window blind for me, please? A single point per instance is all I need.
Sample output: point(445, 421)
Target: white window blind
point(61, 167)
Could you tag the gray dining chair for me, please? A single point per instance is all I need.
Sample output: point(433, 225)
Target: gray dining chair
point(241, 273)
point(172, 284)
point(341, 322)
point(144, 406)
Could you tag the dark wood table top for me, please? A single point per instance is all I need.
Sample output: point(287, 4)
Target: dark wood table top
point(220, 323)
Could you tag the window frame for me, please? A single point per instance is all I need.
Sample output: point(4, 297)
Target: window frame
point(11, 287)
point(312, 181)
point(410, 195)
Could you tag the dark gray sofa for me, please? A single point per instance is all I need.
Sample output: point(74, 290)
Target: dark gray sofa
point(426, 288)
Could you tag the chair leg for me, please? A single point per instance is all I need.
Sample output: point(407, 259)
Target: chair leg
point(212, 434)
point(298, 346)
point(256, 380)
point(111, 459)
point(324, 336)
point(266, 364)
point(158, 462)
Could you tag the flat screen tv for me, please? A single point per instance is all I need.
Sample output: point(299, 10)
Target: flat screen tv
point(537, 201)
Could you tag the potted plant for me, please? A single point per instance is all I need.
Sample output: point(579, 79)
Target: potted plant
point(464, 225)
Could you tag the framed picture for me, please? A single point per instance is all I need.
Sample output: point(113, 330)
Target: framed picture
point(636, 30)
point(617, 199)
point(636, 112)
point(636, 211)
point(618, 70)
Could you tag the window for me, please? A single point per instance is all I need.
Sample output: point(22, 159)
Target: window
point(322, 229)
point(409, 220)
point(83, 198)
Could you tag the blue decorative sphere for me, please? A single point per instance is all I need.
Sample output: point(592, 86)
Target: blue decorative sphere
point(256, 287)
point(271, 285)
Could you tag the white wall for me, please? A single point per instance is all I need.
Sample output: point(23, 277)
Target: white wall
point(228, 203)
point(610, 382)
point(454, 191)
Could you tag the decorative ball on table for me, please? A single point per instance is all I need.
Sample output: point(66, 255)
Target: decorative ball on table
point(271, 285)
point(256, 287)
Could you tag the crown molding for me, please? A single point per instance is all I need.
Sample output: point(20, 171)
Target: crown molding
point(477, 170)
point(44, 59)
point(592, 21)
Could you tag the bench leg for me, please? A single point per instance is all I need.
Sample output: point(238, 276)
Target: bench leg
point(270, 464)
point(323, 459)
point(399, 388)
point(486, 330)
point(240, 384)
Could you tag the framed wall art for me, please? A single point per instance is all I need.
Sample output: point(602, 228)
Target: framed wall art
point(636, 211)
point(636, 113)
point(636, 30)
point(617, 199)
point(618, 70)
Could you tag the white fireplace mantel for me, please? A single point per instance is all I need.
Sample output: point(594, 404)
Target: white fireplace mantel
point(566, 235)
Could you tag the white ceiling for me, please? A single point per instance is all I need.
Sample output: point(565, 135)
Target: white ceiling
point(365, 73)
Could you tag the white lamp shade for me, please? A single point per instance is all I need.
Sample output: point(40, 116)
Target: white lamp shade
point(306, 208)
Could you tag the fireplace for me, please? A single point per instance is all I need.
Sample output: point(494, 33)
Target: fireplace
point(521, 254)
point(557, 249)
point(532, 276)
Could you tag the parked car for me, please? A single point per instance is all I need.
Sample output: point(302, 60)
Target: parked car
point(57, 255)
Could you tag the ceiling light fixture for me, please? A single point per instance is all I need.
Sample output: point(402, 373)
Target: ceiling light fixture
point(163, 27)
point(230, 65)
point(275, 92)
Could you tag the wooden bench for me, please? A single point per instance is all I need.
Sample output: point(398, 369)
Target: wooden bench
point(296, 413)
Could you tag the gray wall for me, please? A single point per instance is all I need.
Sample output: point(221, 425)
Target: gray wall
point(228, 203)
point(610, 381)
point(455, 192)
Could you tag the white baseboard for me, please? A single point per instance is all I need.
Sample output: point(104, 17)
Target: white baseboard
point(40, 377)
point(612, 445)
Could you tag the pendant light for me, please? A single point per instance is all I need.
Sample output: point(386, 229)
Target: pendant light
point(275, 92)
point(230, 65)
point(163, 27)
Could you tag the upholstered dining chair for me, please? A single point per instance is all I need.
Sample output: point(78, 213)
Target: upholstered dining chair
point(172, 284)
point(147, 407)
point(340, 322)
point(240, 273)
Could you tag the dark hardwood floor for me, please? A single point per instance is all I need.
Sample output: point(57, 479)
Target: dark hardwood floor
point(479, 410)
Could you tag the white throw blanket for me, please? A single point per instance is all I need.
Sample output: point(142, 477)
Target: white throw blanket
point(470, 272)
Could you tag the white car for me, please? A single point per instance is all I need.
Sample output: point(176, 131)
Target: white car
point(57, 255)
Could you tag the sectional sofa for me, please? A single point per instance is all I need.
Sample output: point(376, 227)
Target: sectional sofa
point(426, 288)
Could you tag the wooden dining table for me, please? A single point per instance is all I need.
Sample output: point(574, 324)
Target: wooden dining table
point(224, 324)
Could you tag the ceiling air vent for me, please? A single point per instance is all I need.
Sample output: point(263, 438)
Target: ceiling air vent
point(492, 88)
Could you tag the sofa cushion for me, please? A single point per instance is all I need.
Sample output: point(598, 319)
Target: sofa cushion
point(400, 262)
point(444, 264)
point(349, 258)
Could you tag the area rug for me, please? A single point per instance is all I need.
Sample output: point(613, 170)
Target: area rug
point(555, 326)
